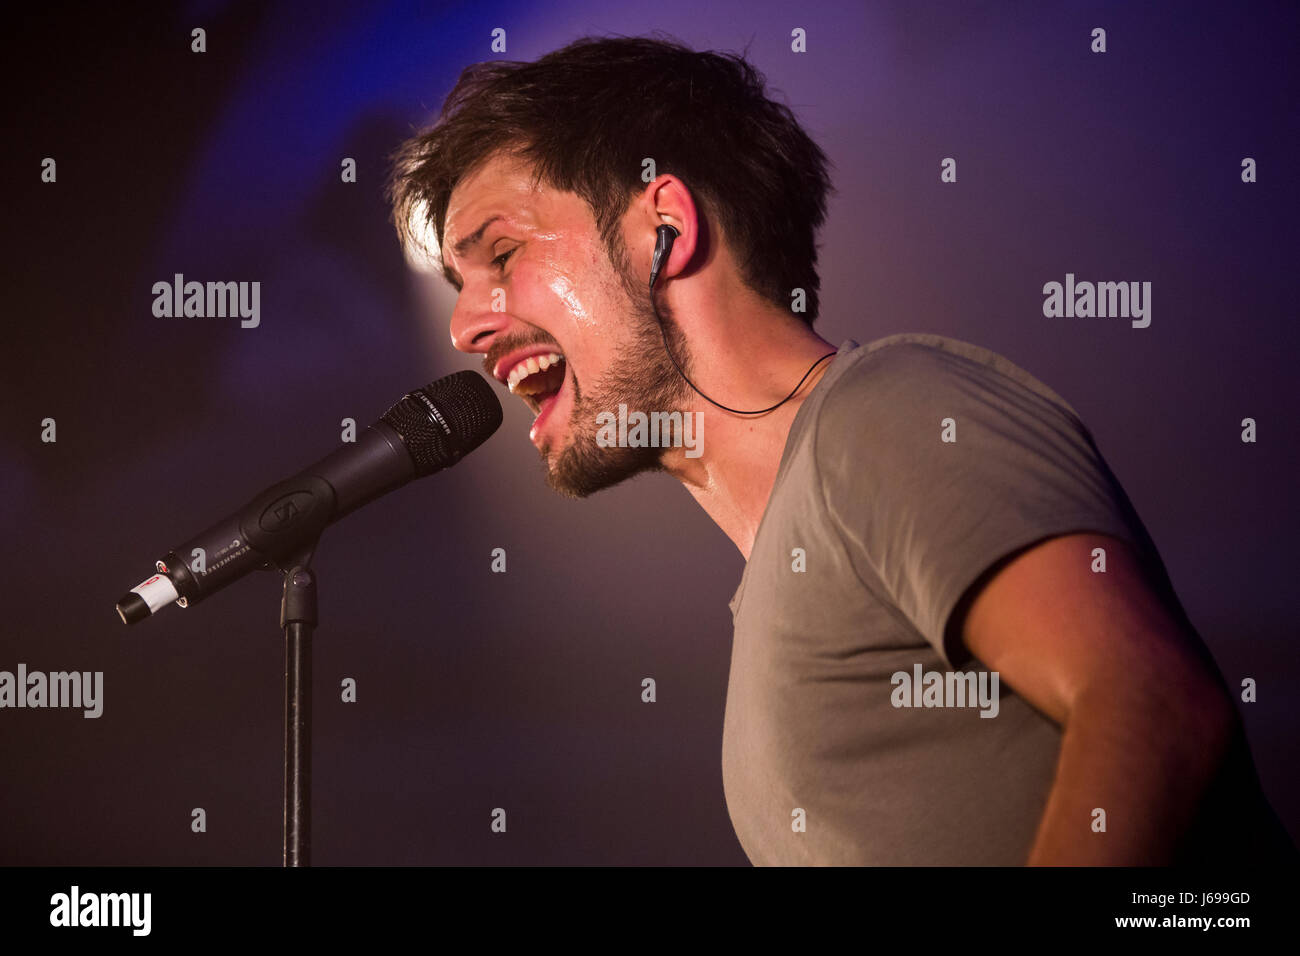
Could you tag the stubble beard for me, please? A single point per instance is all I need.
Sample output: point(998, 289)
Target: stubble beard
point(643, 378)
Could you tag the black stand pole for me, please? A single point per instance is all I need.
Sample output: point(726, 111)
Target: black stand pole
point(298, 618)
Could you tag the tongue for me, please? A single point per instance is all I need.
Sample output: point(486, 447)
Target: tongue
point(543, 411)
point(544, 401)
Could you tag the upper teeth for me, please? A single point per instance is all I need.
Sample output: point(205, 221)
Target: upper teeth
point(530, 366)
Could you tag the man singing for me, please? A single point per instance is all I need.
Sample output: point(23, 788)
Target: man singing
point(954, 641)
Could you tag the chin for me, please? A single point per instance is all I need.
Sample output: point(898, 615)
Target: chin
point(579, 472)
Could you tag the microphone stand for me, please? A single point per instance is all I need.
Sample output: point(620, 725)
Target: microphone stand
point(298, 619)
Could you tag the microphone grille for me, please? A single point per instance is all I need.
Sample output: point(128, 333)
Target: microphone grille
point(445, 420)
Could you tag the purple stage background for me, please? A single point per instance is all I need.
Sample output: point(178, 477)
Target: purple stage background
point(479, 690)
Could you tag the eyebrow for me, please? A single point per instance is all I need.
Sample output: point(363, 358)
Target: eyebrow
point(464, 245)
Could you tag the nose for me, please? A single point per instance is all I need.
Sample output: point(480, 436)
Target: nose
point(474, 324)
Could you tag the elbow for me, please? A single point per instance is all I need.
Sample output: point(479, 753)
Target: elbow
point(1205, 718)
point(1182, 714)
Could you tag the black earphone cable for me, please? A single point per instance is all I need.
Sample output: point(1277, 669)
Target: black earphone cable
point(664, 245)
point(734, 411)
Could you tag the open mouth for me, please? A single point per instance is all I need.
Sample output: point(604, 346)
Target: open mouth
point(537, 379)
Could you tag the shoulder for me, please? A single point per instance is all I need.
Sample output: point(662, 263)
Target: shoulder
point(917, 364)
point(937, 458)
point(901, 382)
point(915, 410)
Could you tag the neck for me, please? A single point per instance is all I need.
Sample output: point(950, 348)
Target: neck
point(733, 475)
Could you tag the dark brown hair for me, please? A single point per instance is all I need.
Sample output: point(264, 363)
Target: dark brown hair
point(586, 116)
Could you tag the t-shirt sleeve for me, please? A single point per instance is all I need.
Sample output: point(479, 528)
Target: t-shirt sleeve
point(923, 517)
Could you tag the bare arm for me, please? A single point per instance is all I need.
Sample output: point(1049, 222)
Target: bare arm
point(1145, 721)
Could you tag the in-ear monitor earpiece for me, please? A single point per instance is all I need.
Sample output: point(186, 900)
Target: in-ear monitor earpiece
point(666, 235)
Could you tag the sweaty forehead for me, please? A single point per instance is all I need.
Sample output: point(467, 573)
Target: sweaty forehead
point(500, 187)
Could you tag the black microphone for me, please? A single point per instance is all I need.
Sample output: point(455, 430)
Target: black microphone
point(430, 429)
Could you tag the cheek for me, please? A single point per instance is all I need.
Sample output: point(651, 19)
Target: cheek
point(566, 294)
point(583, 307)
point(572, 295)
point(578, 279)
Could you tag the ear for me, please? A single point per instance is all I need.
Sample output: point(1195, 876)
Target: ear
point(665, 200)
